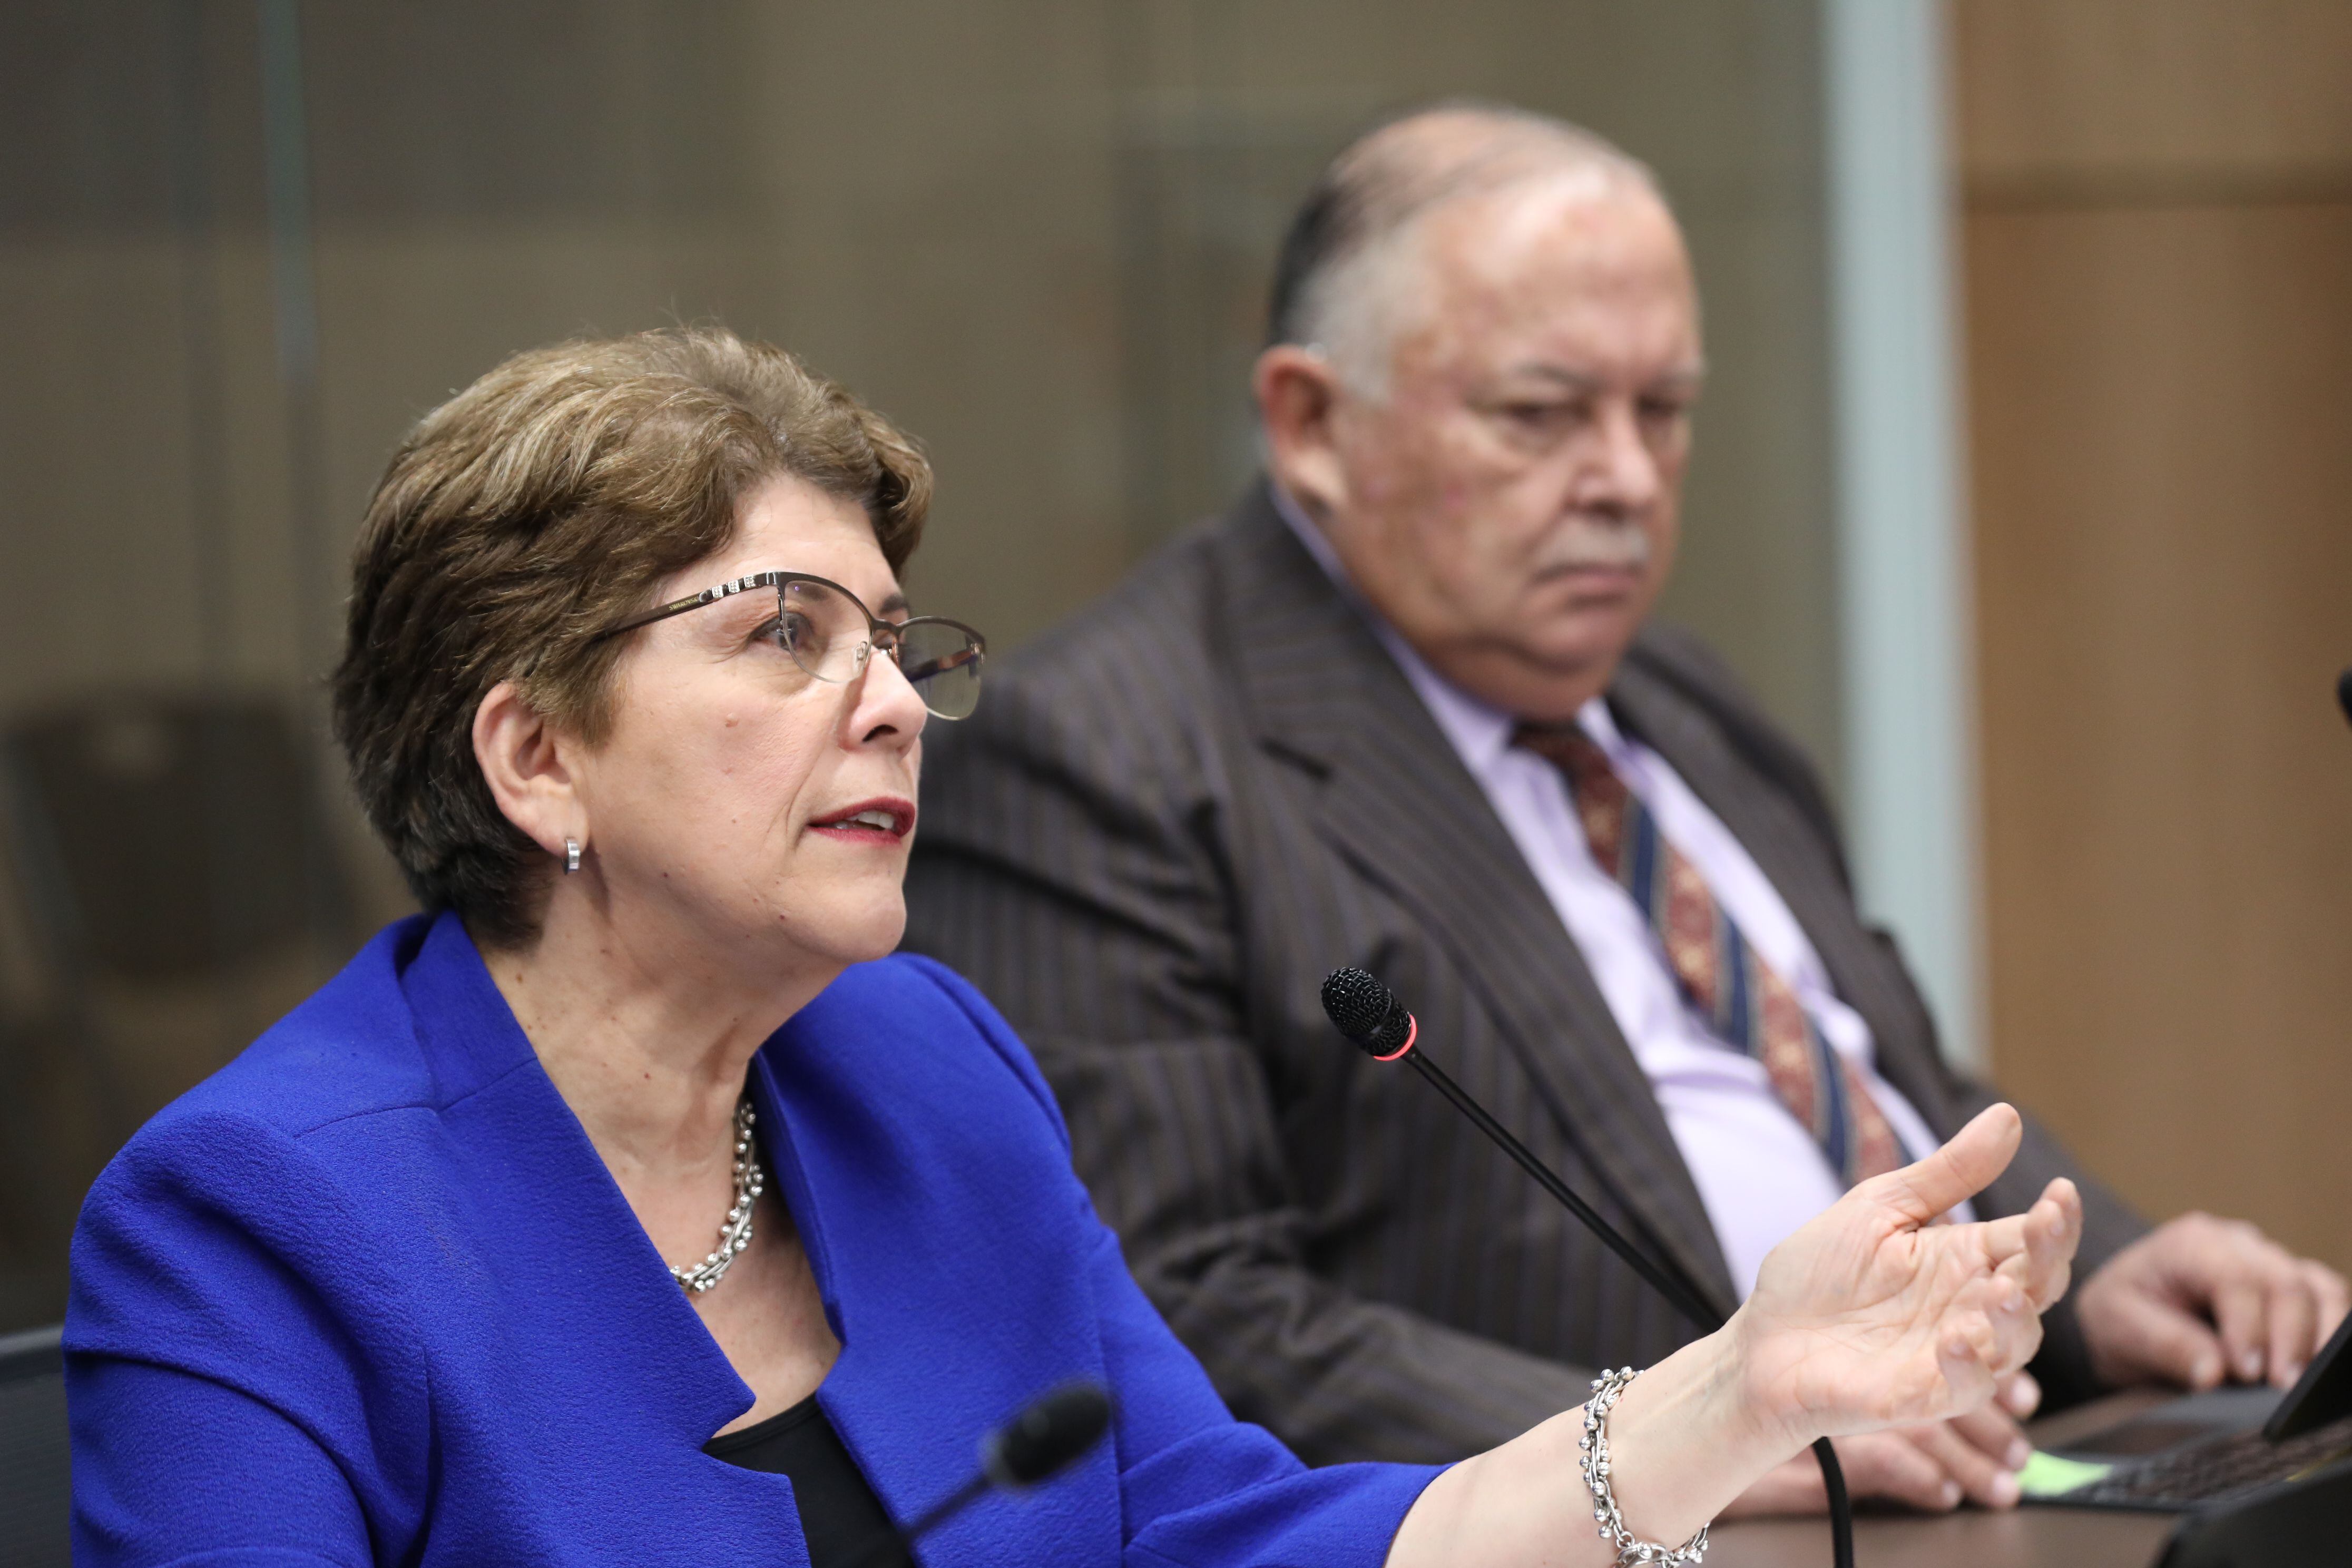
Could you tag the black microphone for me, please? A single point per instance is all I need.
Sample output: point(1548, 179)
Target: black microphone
point(2344, 694)
point(1368, 1014)
point(1049, 1434)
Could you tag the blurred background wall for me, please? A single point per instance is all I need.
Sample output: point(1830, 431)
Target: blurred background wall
point(243, 245)
point(2158, 259)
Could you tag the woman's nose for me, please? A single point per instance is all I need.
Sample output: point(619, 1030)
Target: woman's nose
point(884, 707)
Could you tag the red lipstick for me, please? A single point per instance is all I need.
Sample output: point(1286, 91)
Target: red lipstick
point(885, 819)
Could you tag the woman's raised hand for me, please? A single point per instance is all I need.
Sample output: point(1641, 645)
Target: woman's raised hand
point(1876, 1314)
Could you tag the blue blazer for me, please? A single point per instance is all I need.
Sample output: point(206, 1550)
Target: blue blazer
point(369, 1296)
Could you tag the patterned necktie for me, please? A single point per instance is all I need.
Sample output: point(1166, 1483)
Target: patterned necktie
point(1745, 1001)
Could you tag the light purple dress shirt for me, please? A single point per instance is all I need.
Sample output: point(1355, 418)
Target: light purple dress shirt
point(1758, 1170)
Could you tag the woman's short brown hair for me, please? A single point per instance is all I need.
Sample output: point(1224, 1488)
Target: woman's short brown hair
point(541, 504)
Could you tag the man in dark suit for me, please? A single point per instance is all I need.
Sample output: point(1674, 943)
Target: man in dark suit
point(1401, 709)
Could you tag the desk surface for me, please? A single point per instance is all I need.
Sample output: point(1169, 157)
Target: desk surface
point(2027, 1537)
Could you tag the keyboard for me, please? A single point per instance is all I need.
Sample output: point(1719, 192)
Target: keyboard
point(2213, 1467)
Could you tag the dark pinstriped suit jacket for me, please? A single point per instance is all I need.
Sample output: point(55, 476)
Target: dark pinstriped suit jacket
point(1170, 818)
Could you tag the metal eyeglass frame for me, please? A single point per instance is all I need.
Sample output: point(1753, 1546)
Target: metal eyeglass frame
point(880, 633)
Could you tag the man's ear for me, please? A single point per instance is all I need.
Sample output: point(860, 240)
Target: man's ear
point(527, 770)
point(1297, 393)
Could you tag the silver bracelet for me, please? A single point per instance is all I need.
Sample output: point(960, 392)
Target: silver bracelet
point(1592, 1458)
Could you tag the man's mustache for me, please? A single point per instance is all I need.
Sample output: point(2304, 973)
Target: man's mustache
point(1586, 542)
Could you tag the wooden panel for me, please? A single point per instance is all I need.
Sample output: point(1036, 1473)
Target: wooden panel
point(2053, 88)
point(2160, 405)
point(2159, 247)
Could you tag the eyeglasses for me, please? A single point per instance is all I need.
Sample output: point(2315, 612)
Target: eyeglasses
point(831, 633)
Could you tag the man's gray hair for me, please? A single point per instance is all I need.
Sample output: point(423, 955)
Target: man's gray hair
point(1342, 247)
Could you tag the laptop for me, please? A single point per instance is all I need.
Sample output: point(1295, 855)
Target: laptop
point(2210, 1448)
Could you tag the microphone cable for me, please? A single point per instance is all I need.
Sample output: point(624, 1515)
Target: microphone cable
point(1368, 1014)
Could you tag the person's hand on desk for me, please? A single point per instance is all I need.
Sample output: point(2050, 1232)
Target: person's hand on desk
point(1870, 1317)
point(2192, 1302)
point(2199, 1299)
point(1934, 1467)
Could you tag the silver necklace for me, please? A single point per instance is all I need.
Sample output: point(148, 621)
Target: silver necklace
point(735, 1234)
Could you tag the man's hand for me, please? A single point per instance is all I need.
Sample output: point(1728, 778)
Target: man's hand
point(1935, 1467)
point(2200, 1298)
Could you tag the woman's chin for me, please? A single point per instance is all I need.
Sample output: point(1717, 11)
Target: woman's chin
point(853, 931)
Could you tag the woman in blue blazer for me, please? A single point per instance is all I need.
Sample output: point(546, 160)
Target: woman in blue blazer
point(630, 1206)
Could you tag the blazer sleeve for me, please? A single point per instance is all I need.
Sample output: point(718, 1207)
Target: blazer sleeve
point(240, 1383)
point(1073, 861)
point(1198, 1487)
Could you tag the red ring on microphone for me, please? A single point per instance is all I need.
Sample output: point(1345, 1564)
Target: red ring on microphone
point(1412, 1032)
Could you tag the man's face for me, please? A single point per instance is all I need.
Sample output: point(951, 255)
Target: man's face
point(1511, 503)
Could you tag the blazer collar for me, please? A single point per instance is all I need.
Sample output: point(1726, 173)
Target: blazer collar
point(1320, 691)
point(552, 1229)
point(491, 1084)
point(906, 1394)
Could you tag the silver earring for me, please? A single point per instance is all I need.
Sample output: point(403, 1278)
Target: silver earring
point(571, 855)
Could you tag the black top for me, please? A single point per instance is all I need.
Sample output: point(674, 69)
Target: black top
point(839, 1512)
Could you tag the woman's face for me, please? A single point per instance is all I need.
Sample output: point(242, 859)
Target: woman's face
point(733, 805)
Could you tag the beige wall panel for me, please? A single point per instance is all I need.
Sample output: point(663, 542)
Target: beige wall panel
point(408, 318)
point(89, 532)
point(2160, 403)
point(2060, 88)
point(1038, 233)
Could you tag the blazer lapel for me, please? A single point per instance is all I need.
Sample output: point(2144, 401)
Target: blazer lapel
point(1785, 848)
point(1323, 693)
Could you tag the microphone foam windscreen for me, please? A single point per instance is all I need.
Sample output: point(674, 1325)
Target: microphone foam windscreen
point(1054, 1429)
point(1364, 1010)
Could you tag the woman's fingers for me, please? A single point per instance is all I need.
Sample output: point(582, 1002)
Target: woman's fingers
point(1961, 1169)
point(2035, 1248)
point(1967, 1355)
point(1985, 1334)
point(2016, 1326)
point(2054, 1228)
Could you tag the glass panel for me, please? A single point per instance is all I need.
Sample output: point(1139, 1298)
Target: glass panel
point(243, 247)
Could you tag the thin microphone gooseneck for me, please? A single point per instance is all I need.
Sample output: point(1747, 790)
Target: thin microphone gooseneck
point(1050, 1433)
point(1368, 1014)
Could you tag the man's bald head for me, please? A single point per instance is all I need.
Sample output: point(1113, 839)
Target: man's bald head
point(1486, 350)
point(1342, 283)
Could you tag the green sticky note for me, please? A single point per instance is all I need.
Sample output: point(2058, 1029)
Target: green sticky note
point(2048, 1476)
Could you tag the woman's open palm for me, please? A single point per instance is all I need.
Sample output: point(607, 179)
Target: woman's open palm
point(1876, 1313)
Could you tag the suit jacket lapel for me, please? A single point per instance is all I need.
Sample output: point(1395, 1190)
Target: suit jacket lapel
point(1323, 693)
point(1784, 846)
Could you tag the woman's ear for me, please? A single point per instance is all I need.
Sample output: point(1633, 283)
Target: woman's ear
point(527, 772)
